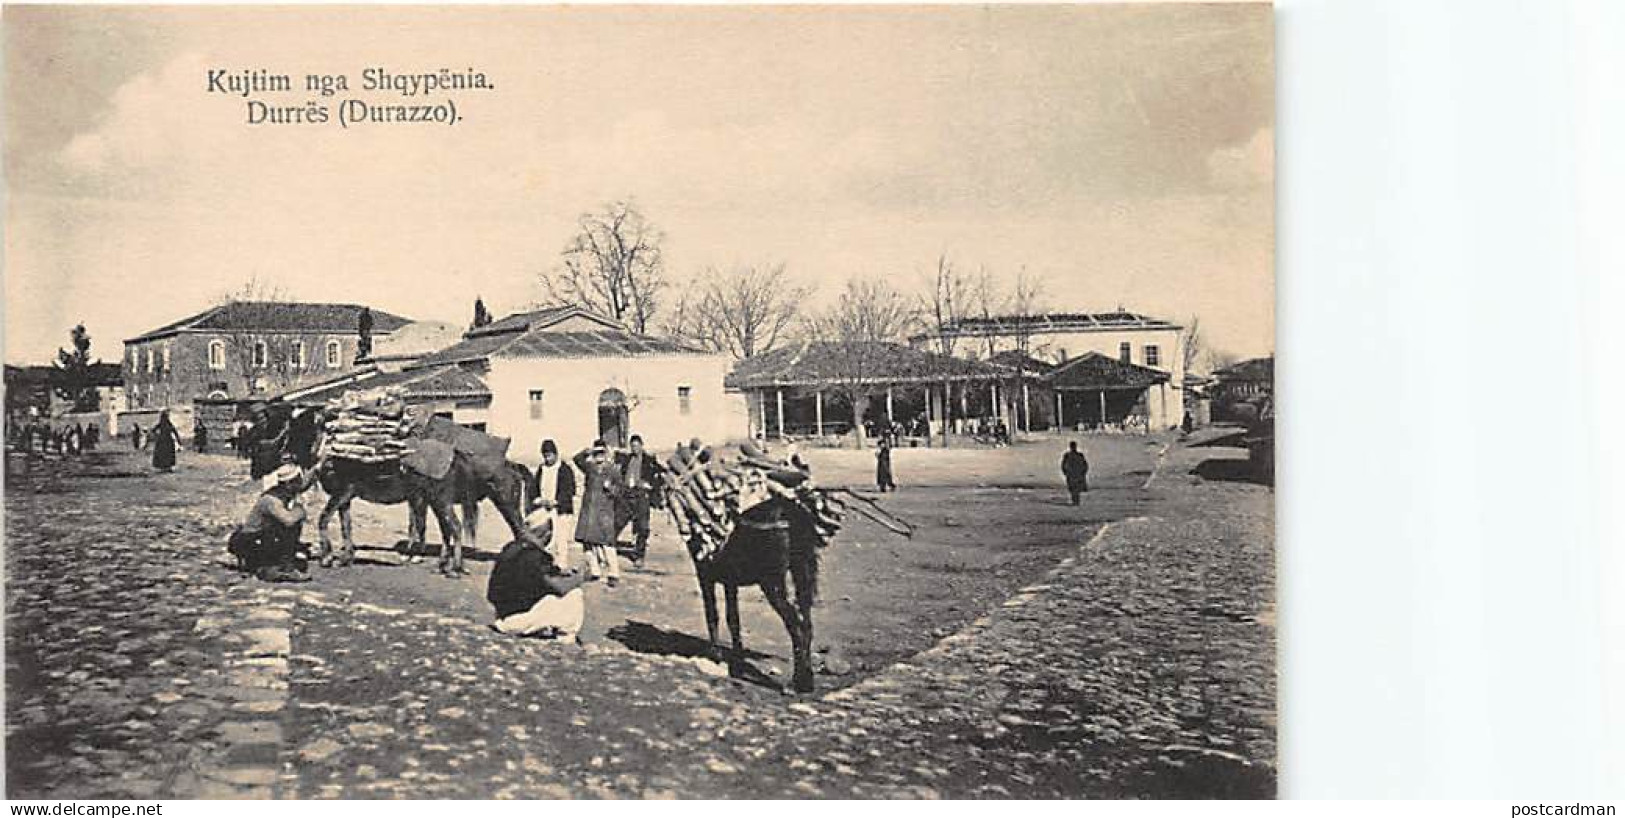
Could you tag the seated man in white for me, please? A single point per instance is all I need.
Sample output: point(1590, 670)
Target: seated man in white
point(531, 595)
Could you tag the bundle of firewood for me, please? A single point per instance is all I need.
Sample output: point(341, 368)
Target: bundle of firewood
point(707, 494)
point(371, 431)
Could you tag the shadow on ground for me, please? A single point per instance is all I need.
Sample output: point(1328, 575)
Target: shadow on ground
point(1230, 470)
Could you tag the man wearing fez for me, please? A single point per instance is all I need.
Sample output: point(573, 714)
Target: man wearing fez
point(553, 497)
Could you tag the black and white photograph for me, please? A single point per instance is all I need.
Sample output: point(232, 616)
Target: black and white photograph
point(640, 402)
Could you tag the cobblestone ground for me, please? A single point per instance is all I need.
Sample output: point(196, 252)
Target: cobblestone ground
point(1141, 665)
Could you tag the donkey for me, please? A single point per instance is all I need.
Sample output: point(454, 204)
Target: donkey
point(295, 434)
point(773, 545)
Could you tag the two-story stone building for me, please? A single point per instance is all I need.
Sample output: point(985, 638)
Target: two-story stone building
point(245, 349)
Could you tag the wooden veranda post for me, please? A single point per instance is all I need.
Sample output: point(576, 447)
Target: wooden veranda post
point(818, 411)
point(1026, 409)
point(1103, 408)
point(761, 410)
point(781, 412)
point(1060, 419)
point(889, 418)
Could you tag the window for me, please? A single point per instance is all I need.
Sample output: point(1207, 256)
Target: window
point(296, 355)
point(684, 399)
point(335, 354)
point(217, 354)
point(262, 354)
point(536, 404)
point(164, 362)
point(1153, 356)
point(150, 358)
point(1125, 352)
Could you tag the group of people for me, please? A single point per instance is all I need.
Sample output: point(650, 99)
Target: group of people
point(69, 438)
point(616, 489)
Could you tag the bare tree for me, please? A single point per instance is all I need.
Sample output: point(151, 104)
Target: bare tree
point(856, 334)
point(1026, 302)
point(745, 311)
point(613, 265)
point(989, 303)
point(262, 361)
point(949, 298)
point(1192, 345)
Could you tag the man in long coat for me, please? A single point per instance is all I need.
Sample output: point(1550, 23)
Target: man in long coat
point(595, 522)
point(1075, 468)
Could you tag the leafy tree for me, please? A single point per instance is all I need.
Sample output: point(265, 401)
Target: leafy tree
point(74, 380)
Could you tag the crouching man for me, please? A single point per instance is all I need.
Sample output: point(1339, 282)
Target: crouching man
point(531, 595)
point(267, 543)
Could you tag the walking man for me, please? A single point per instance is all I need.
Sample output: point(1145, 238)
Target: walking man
point(1075, 467)
point(640, 478)
point(883, 475)
point(595, 524)
point(553, 494)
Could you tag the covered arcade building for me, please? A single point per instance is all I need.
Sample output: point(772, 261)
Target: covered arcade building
point(808, 389)
point(1095, 391)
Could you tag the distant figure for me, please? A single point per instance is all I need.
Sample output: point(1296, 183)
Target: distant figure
point(595, 524)
point(200, 436)
point(883, 475)
point(93, 436)
point(531, 595)
point(1075, 467)
point(1187, 424)
point(166, 440)
point(267, 543)
point(239, 440)
point(135, 436)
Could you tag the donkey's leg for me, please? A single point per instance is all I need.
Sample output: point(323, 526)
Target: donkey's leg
point(451, 537)
point(471, 521)
point(347, 556)
point(735, 632)
point(324, 554)
point(708, 595)
point(417, 527)
point(800, 639)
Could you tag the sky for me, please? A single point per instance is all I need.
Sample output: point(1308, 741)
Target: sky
point(1123, 154)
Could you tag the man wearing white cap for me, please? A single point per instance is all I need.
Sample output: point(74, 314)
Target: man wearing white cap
point(267, 543)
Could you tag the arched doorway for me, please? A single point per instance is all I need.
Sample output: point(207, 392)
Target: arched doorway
point(614, 418)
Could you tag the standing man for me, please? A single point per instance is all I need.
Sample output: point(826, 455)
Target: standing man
point(553, 492)
point(200, 436)
point(1075, 468)
point(640, 476)
point(595, 525)
point(883, 475)
point(166, 440)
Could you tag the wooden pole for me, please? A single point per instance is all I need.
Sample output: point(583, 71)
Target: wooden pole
point(761, 411)
point(781, 412)
point(1103, 408)
point(1060, 420)
point(889, 418)
point(818, 410)
point(1026, 409)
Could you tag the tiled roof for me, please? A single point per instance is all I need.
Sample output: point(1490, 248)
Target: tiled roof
point(1093, 370)
point(606, 343)
point(278, 316)
point(419, 384)
point(1050, 322)
point(538, 319)
point(1016, 359)
point(1257, 369)
point(822, 362)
